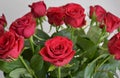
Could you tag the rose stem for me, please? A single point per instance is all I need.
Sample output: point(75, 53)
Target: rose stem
point(31, 44)
point(40, 22)
point(59, 72)
point(27, 68)
point(38, 37)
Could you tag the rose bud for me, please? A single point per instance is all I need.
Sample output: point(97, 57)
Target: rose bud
point(114, 46)
point(74, 15)
point(24, 26)
point(111, 22)
point(38, 9)
point(55, 16)
point(3, 21)
point(11, 46)
point(99, 11)
point(58, 51)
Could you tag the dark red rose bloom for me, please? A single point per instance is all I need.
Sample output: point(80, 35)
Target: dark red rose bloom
point(38, 9)
point(11, 45)
point(55, 16)
point(1, 30)
point(99, 11)
point(24, 26)
point(74, 15)
point(3, 21)
point(111, 22)
point(58, 51)
point(114, 46)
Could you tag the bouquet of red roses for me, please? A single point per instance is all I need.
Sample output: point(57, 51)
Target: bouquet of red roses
point(74, 50)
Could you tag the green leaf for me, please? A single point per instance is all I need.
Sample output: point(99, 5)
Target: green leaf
point(27, 54)
point(110, 75)
point(91, 66)
point(42, 34)
point(104, 74)
point(36, 62)
point(64, 32)
point(6, 75)
point(87, 46)
point(20, 73)
point(79, 74)
point(79, 32)
point(40, 37)
point(38, 48)
point(51, 68)
point(43, 72)
point(94, 33)
point(84, 43)
point(9, 66)
point(108, 69)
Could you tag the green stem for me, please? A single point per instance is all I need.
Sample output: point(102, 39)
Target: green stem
point(26, 66)
point(38, 37)
point(102, 36)
point(41, 26)
point(102, 48)
point(70, 75)
point(102, 63)
point(59, 72)
point(23, 62)
point(50, 28)
point(72, 33)
point(40, 22)
point(57, 28)
point(31, 44)
point(34, 75)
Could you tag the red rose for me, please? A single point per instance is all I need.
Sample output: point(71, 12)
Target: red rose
point(3, 21)
point(58, 51)
point(55, 16)
point(74, 15)
point(24, 26)
point(114, 46)
point(38, 9)
point(1, 30)
point(11, 45)
point(111, 22)
point(99, 12)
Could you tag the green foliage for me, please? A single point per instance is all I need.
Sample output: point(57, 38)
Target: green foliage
point(9, 66)
point(91, 59)
point(91, 66)
point(44, 71)
point(64, 32)
point(20, 73)
point(94, 33)
point(36, 62)
point(41, 34)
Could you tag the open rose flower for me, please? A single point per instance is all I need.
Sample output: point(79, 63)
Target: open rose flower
point(24, 26)
point(58, 51)
point(3, 21)
point(74, 15)
point(99, 11)
point(38, 9)
point(114, 46)
point(111, 22)
point(55, 15)
point(11, 45)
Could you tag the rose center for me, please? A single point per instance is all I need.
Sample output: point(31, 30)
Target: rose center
point(57, 50)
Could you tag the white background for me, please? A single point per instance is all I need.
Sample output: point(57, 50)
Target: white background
point(14, 9)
